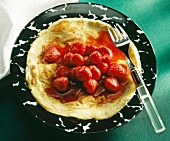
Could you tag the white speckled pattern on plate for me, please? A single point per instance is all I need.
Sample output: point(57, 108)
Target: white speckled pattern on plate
point(91, 11)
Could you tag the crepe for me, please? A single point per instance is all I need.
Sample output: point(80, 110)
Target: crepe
point(39, 73)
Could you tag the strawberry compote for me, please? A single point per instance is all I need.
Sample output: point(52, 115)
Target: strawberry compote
point(88, 67)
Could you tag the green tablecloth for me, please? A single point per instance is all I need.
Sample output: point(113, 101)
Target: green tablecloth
point(153, 17)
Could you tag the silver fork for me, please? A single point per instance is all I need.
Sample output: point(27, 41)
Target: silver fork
point(120, 38)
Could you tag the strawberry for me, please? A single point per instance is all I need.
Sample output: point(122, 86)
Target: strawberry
point(77, 60)
point(77, 47)
point(118, 71)
point(90, 86)
point(61, 84)
point(111, 84)
point(89, 49)
point(87, 61)
point(95, 57)
point(67, 58)
point(51, 54)
point(103, 67)
point(62, 71)
point(106, 59)
point(84, 74)
point(104, 50)
point(95, 72)
point(73, 72)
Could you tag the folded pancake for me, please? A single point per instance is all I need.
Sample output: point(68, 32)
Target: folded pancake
point(39, 73)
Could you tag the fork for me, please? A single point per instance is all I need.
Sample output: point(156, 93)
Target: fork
point(120, 38)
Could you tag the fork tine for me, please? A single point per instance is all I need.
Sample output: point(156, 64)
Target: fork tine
point(114, 34)
point(118, 33)
point(123, 31)
point(115, 37)
point(111, 35)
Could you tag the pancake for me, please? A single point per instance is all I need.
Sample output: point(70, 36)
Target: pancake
point(39, 73)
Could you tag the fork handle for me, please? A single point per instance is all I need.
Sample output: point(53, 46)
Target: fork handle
point(148, 103)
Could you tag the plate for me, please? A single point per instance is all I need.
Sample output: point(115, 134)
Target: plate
point(91, 11)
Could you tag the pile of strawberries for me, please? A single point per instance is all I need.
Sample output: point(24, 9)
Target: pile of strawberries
point(87, 65)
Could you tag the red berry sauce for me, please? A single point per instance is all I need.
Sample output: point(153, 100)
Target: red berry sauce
point(87, 67)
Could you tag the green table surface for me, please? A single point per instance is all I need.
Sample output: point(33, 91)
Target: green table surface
point(153, 17)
